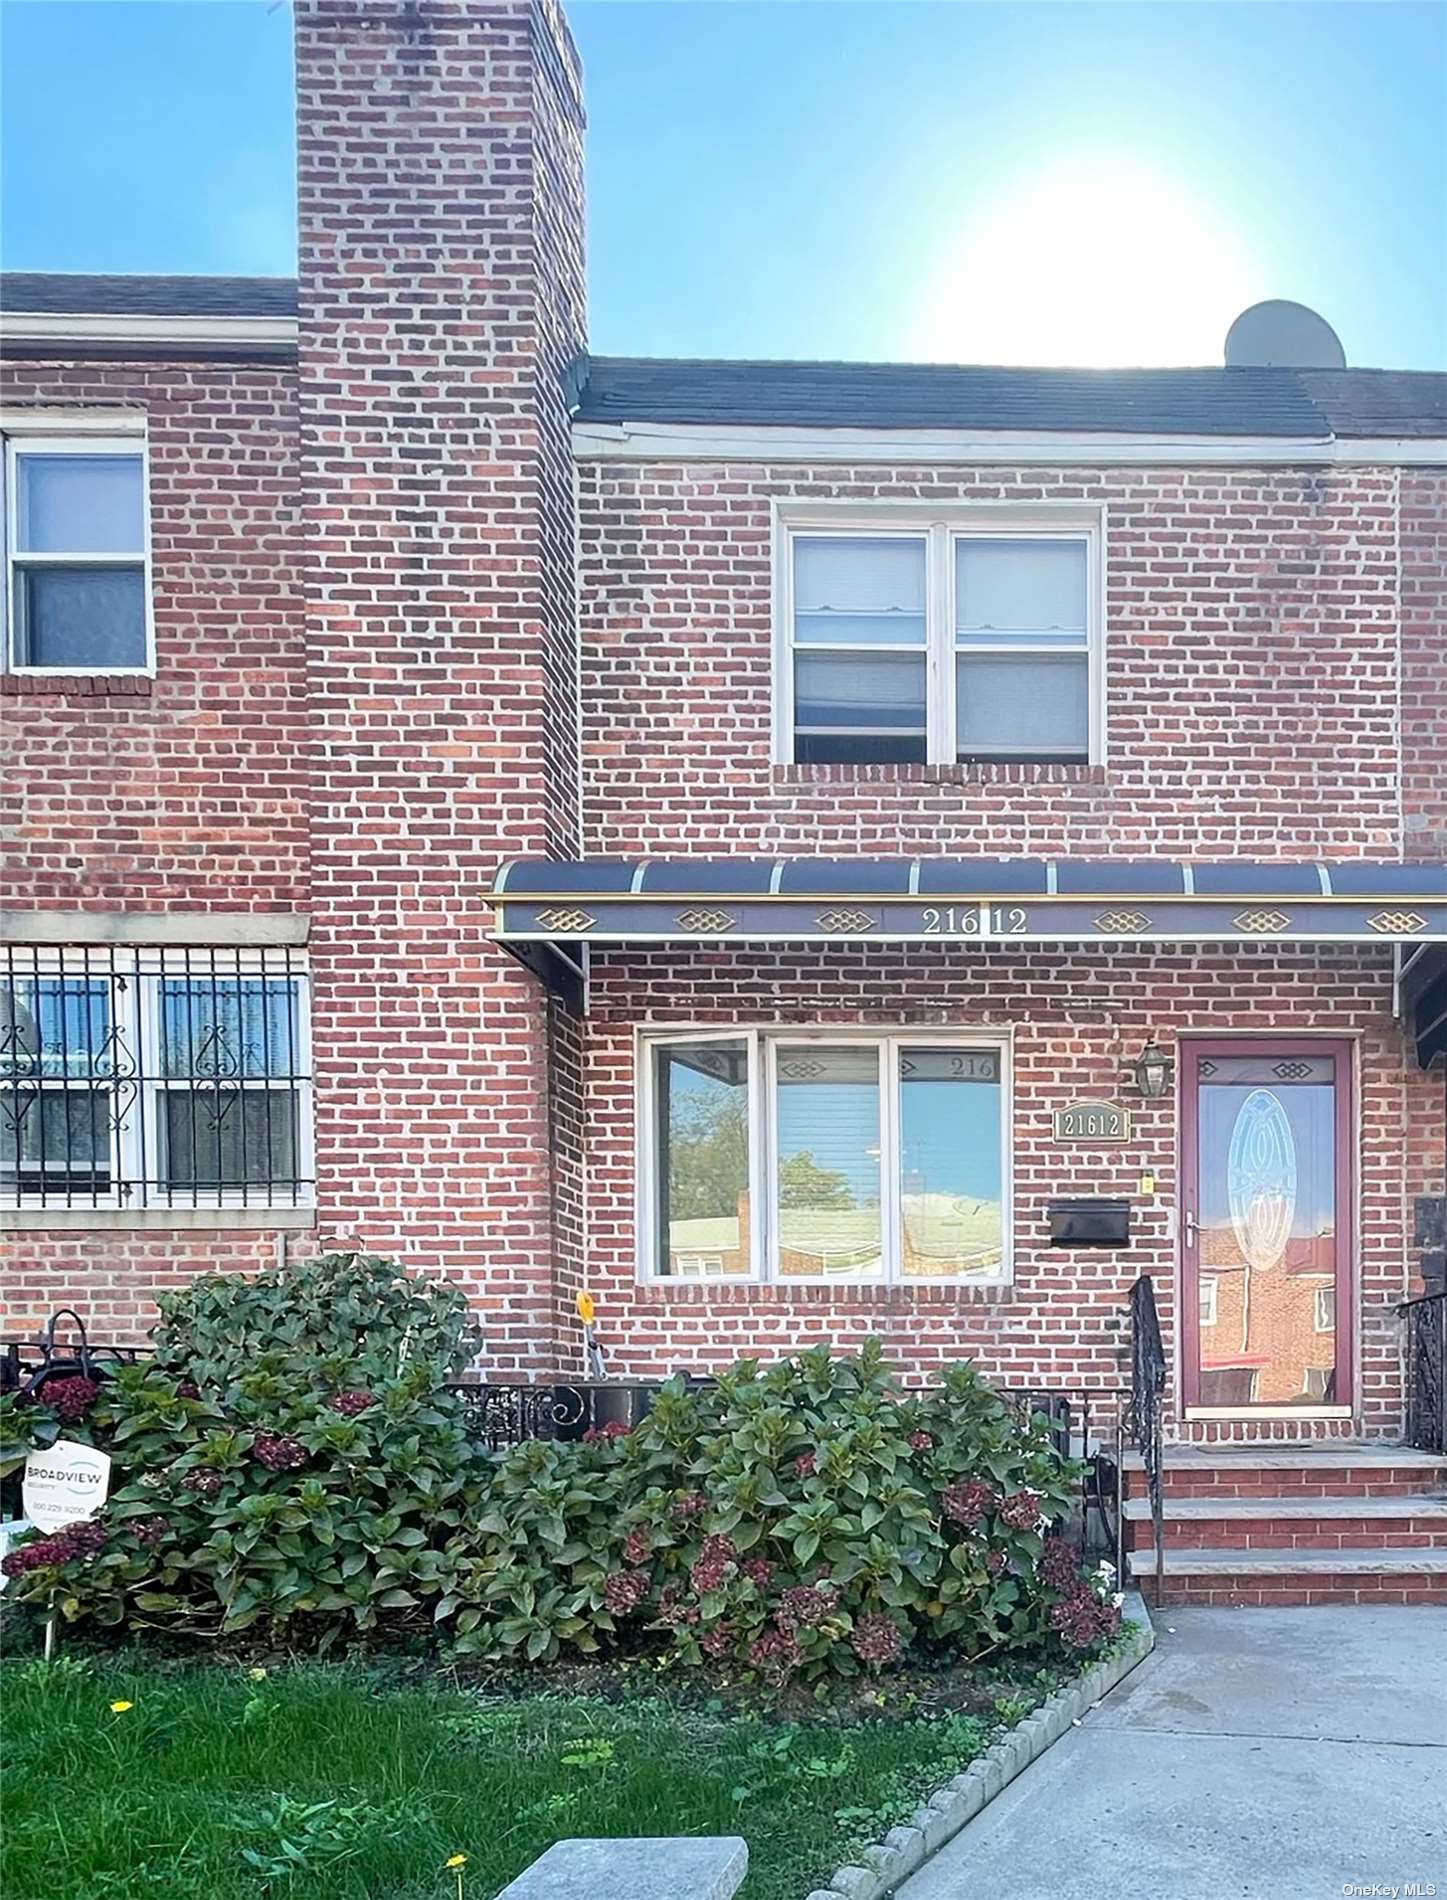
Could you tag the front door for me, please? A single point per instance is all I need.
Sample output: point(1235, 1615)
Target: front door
point(1267, 1223)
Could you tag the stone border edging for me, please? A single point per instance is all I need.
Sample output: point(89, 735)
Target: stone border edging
point(906, 1848)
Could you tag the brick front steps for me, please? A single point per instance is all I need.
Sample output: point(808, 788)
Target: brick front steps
point(1268, 1577)
point(1304, 1523)
point(1335, 1523)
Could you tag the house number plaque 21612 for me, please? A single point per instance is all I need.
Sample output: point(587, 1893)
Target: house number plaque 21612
point(1093, 1121)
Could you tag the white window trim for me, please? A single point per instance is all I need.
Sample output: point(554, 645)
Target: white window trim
point(1207, 1292)
point(762, 1042)
point(1318, 1325)
point(939, 527)
point(136, 448)
point(138, 1132)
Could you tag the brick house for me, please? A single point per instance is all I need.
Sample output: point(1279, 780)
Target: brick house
point(790, 848)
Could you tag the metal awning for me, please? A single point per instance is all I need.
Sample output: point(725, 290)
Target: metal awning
point(548, 909)
point(1422, 998)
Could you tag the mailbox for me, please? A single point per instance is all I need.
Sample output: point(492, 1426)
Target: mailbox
point(1090, 1223)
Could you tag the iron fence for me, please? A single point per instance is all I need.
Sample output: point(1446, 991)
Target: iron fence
point(1081, 1420)
point(1425, 1369)
point(1145, 1411)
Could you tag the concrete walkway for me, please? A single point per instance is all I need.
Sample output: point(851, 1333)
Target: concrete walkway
point(1256, 1755)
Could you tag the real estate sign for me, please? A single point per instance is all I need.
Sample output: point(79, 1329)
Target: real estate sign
point(65, 1484)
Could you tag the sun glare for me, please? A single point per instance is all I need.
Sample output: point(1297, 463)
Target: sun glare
point(1096, 261)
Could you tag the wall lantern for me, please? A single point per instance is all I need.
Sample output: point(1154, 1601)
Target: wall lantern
point(1151, 1072)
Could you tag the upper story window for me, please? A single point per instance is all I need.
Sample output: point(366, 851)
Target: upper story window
point(143, 1078)
point(920, 640)
point(77, 586)
point(831, 1157)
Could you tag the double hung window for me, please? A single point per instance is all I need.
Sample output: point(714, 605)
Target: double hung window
point(77, 587)
point(797, 1156)
point(930, 641)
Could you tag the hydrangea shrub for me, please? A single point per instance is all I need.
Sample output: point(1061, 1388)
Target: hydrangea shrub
point(315, 1482)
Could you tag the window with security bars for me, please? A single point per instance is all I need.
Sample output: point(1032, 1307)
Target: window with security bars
point(930, 642)
point(148, 1077)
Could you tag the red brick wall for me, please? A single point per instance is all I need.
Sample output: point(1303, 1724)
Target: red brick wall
point(1252, 629)
point(183, 793)
point(1424, 662)
point(186, 792)
point(1078, 1016)
point(440, 298)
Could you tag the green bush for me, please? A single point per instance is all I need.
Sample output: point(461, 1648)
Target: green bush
point(352, 1318)
point(310, 1477)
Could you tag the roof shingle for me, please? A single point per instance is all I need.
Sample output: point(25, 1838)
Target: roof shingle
point(1310, 405)
point(77, 293)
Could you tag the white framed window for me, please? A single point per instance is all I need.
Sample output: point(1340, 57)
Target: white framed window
point(148, 1077)
point(1208, 1293)
point(833, 1157)
point(915, 636)
point(77, 555)
point(1324, 1314)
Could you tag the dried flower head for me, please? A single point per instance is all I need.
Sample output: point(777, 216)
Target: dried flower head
point(876, 1639)
point(968, 1502)
point(278, 1452)
point(1020, 1511)
point(350, 1403)
point(776, 1653)
point(637, 1546)
point(70, 1399)
point(625, 1590)
point(806, 1605)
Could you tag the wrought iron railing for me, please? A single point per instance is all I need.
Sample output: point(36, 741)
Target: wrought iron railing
point(504, 1413)
point(1145, 1411)
point(1425, 1369)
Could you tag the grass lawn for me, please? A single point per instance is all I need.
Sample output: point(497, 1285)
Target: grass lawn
point(330, 1782)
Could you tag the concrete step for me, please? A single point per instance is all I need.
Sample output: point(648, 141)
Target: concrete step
point(1321, 1470)
point(1266, 1577)
point(1429, 1504)
point(1300, 1523)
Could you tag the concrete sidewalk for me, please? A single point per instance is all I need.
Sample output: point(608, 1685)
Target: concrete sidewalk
point(1256, 1755)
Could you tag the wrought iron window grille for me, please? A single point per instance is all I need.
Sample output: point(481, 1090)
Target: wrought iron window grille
point(148, 1077)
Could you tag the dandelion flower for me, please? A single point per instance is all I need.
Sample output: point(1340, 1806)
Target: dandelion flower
point(457, 1860)
point(257, 1675)
point(119, 1708)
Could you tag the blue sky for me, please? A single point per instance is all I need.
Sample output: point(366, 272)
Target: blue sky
point(968, 181)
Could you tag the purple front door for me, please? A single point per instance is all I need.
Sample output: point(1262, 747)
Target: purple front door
point(1267, 1200)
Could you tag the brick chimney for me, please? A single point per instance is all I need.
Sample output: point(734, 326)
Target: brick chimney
point(441, 304)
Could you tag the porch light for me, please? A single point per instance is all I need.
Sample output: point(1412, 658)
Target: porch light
point(1151, 1072)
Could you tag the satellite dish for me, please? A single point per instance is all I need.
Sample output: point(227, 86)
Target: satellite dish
point(1281, 335)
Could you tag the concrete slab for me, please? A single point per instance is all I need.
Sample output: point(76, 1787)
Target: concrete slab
point(1355, 1672)
point(683, 1867)
point(1257, 1755)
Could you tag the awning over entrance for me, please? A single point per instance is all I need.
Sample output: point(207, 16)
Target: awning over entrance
point(563, 905)
point(1422, 998)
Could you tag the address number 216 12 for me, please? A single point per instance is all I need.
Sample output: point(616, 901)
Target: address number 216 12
point(968, 920)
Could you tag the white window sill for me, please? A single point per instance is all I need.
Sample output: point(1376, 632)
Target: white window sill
point(43, 1219)
point(869, 1291)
